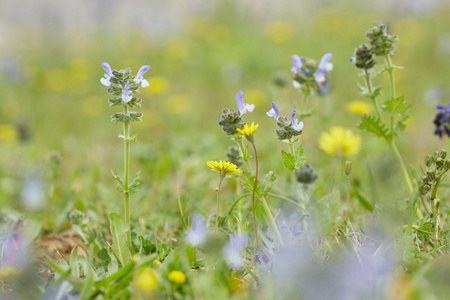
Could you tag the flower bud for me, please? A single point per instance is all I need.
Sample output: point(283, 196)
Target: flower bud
point(364, 58)
point(306, 175)
point(442, 153)
point(431, 175)
point(423, 189)
point(348, 168)
point(429, 160)
point(231, 120)
point(439, 163)
point(447, 164)
point(382, 43)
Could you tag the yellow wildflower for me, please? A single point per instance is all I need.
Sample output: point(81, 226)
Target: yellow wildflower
point(248, 131)
point(158, 86)
point(223, 167)
point(8, 134)
point(146, 281)
point(339, 141)
point(177, 277)
point(359, 108)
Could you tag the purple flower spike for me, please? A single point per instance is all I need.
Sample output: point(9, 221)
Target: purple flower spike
point(140, 78)
point(273, 112)
point(297, 64)
point(126, 93)
point(233, 250)
point(197, 234)
point(243, 107)
point(295, 124)
point(107, 80)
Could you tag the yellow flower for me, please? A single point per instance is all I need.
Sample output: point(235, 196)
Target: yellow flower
point(224, 167)
point(359, 108)
point(339, 141)
point(177, 277)
point(8, 134)
point(146, 281)
point(279, 32)
point(158, 86)
point(248, 131)
point(9, 272)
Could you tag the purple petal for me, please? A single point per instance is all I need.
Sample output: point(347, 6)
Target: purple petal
point(240, 100)
point(293, 116)
point(297, 64)
point(274, 111)
point(352, 60)
point(143, 70)
point(440, 106)
point(107, 68)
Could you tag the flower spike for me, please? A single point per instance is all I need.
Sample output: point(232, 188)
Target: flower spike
point(107, 80)
point(126, 93)
point(243, 107)
point(140, 78)
point(273, 112)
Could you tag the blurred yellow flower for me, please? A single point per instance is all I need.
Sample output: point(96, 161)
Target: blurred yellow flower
point(359, 107)
point(177, 277)
point(339, 141)
point(279, 32)
point(223, 167)
point(8, 134)
point(146, 281)
point(248, 131)
point(177, 104)
point(158, 86)
point(256, 97)
point(56, 79)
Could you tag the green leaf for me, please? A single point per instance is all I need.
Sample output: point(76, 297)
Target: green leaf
point(300, 157)
point(119, 228)
point(395, 105)
point(406, 248)
point(269, 181)
point(375, 92)
point(120, 187)
point(288, 160)
point(363, 201)
point(374, 125)
point(74, 268)
point(88, 283)
point(134, 185)
point(248, 181)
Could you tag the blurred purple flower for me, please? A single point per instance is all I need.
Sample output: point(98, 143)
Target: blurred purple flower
point(233, 250)
point(197, 234)
point(297, 64)
point(273, 112)
point(126, 93)
point(107, 80)
point(243, 107)
point(324, 67)
point(140, 78)
point(295, 124)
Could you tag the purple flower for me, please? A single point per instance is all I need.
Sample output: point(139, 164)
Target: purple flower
point(295, 124)
point(197, 234)
point(107, 80)
point(126, 93)
point(352, 60)
point(324, 67)
point(233, 250)
point(243, 107)
point(297, 64)
point(273, 112)
point(139, 77)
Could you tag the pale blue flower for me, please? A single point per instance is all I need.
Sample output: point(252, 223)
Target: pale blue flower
point(126, 93)
point(197, 234)
point(107, 80)
point(233, 250)
point(273, 112)
point(295, 124)
point(243, 107)
point(324, 67)
point(140, 78)
point(297, 64)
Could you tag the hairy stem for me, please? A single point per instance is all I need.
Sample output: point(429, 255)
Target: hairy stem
point(126, 167)
point(218, 203)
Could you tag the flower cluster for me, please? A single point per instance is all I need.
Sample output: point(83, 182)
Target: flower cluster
point(363, 58)
point(123, 85)
point(231, 120)
point(310, 75)
point(290, 127)
point(441, 120)
point(436, 167)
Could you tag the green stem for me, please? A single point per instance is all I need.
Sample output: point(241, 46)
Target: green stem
point(403, 167)
point(253, 193)
point(217, 211)
point(291, 147)
point(126, 167)
point(247, 164)
point(369, 87)
point(390, 70)
point(305, 99)
point(288, 200)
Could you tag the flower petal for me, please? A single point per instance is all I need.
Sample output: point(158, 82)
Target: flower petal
point(107, 68)
point(143, 70)
point(145, 83)
point(274, 111)
point(105, 81)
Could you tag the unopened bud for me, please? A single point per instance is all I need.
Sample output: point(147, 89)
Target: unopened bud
point(348, 168)
point(429, 160)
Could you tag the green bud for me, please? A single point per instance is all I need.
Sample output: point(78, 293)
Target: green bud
point(76, 217)
point(439, 163)
point(423, 189)
point(447, 164)
point(429, 160)
point(348, 168)
point(442, 153)
point(306, 175)
point(431, 175)
point(233, 154)
point(286, 132)
point(230, 120)
point(382, 43)
point(364, 57)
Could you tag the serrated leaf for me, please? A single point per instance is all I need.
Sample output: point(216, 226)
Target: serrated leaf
point(374, 125)
point(375, 92)
point(300, 157)
point(396, 105)
point(248, 181)
point(288, 160)
point(269, 181)
point(405, 248)
point(119, 229)
point(120, 187)
point(134, 186)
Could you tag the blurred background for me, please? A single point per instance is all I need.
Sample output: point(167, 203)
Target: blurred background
point(56, 139)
